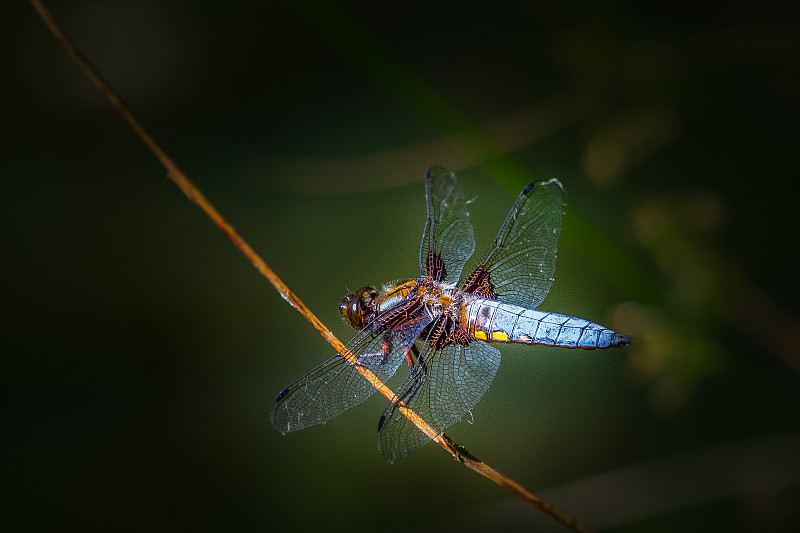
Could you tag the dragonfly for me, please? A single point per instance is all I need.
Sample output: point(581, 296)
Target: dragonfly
point(441, 324)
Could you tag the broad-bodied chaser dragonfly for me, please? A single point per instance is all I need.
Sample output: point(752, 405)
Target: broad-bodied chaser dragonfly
point(441, 324)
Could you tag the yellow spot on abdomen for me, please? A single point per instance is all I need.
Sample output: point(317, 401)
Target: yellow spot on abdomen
point(500, 335)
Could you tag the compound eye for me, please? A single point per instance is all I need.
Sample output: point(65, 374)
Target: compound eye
point(348, 308)
point(355, 307)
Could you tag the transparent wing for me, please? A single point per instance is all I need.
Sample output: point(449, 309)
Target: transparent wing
point(442, 390)
point(336, 385)
point(448, 241)
point(519, 267)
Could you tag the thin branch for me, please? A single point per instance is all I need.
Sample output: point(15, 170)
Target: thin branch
point(458, 452)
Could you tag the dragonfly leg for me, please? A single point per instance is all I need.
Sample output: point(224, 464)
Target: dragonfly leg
point(412, 355)
point(386, 348)
point(377, 358)
point(420, 369)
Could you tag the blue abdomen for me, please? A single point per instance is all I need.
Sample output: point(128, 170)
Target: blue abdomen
point(494, 321)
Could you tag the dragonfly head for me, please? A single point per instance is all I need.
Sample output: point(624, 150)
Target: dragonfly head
point(357, 307)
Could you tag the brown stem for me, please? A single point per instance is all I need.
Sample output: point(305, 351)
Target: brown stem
point(458, 452)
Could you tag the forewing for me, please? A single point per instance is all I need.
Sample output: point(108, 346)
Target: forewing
point(519, 267)
point(336, 385)
point(448, 241)
point(441, 391)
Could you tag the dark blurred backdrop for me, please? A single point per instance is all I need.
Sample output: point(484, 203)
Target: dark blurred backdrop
point(142, 352)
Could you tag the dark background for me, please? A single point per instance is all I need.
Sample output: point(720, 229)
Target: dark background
point(142, 351)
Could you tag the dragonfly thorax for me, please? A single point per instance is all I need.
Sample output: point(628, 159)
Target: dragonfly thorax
point(443, 298)
point(360, 308)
